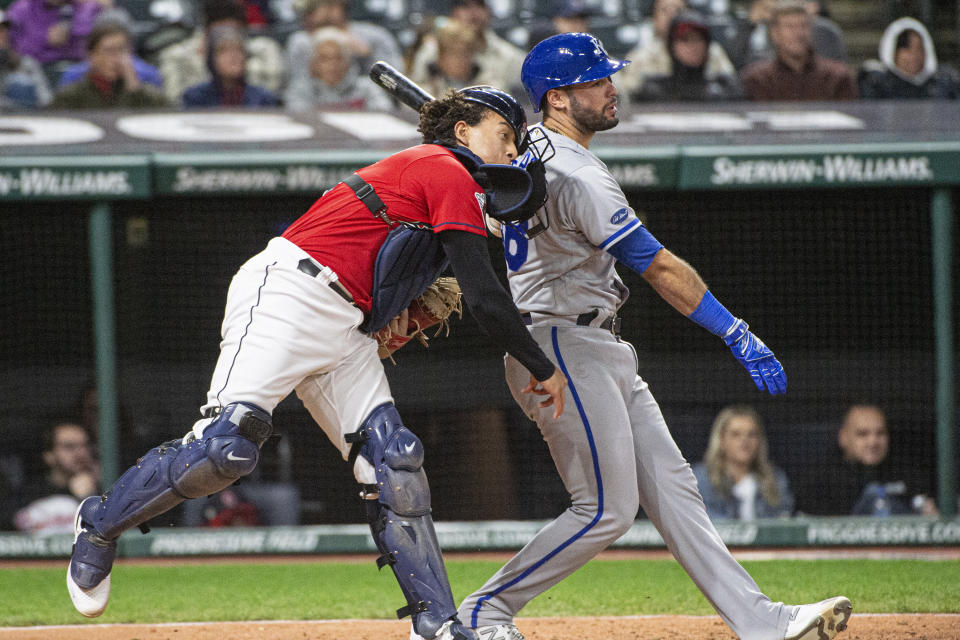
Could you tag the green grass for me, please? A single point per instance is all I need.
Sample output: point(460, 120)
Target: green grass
point(351, 590)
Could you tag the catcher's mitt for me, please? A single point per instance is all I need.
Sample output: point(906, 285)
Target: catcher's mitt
point(433, 307)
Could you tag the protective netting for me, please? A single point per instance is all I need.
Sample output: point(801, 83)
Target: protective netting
point(837, 283)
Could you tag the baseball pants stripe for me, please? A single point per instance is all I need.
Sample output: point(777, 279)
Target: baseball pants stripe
point(597, 475)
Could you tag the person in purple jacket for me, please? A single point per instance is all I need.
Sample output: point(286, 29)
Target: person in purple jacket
point(52, 31)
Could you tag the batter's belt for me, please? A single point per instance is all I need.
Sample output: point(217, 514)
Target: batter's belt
point(611, 323)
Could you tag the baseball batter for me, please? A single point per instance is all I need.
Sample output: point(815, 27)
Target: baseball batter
point(612, 448)
point(300, 314)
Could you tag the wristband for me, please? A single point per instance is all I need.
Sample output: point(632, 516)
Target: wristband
point(713, 316)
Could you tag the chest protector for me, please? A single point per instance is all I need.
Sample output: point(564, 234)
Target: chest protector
point(409, 260)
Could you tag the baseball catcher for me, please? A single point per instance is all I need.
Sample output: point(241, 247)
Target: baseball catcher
point(305, 314)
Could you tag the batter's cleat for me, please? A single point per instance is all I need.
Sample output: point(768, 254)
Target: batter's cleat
point(500, 632)
point(450, 630)
point(820, 621)
point(88, 576)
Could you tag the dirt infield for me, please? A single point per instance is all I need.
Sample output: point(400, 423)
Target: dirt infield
point(862, 627)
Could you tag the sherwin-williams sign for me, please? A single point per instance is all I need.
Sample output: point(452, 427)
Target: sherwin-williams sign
point(261, 173)
point(100, 178)
point(779, 167)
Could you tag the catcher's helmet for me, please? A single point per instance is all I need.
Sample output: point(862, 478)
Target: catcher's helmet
point(504, 104)
point(565, 59)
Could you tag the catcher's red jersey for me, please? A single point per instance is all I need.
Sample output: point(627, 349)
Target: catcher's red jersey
point(422, 184)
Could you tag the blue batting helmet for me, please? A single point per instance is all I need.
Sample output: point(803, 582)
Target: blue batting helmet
point(504, 104)
point(565, 59)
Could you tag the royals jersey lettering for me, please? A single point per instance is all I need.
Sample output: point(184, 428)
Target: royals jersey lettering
point(564, 270)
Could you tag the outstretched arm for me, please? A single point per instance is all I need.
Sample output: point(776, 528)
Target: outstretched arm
point(497, 315)
point(683, 288)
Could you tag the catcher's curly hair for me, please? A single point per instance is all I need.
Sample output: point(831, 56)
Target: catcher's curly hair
point(438, 116)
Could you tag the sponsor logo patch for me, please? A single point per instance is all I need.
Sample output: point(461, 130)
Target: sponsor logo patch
point(620, 215)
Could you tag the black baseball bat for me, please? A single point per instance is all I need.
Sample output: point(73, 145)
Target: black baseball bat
point(398, 85)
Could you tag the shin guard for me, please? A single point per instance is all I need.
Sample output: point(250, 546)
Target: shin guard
point(398, 509)
point(210, 458)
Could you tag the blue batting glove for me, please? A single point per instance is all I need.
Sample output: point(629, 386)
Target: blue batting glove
point(763, 366)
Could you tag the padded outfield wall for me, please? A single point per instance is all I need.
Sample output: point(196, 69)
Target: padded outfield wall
point(829, 229)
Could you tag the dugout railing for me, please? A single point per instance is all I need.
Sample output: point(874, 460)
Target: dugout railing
point(831, 229)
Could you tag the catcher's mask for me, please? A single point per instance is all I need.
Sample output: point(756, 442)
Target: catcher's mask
point(514, 191)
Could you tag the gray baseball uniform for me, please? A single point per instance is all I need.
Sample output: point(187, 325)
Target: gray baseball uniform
point(611, 446)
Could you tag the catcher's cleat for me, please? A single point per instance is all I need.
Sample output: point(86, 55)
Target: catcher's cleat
point(88, 576)
point(820, 621)
point(500, 632)
point(451, 630)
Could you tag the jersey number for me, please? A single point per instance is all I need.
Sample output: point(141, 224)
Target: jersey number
point(515, 244)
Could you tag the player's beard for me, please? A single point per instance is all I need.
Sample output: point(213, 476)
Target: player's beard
point(591, 120)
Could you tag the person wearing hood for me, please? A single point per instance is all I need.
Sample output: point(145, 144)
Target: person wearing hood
point(651, 57)
point(908, 66)
point(227, 87)
point(688, 42)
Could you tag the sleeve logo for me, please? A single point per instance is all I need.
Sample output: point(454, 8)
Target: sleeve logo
point(482, 201)
point(620, 215)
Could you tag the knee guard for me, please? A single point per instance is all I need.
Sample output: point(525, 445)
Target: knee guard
point(398, 510)
point(209, 458)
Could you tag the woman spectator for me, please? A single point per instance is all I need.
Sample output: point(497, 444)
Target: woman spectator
point(227, 87)
point(908, 66)
point(111, 82)
point(334, 79)
point(736, 478)
point(456, 65)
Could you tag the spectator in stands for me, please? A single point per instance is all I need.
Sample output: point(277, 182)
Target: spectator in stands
point(335, 79)
point(23, 84)
point(498, 60)
point(861, 478)
point(456, 66)
point(111, 81)
point(651, 56)
point(146, 72)
point(908, 66)
point(752, 42)
point(72, 473)
point(368, 42)
point(688, 42)
point(52, 32)
point(184, 64)
point(567, 16)
point(797, 72)
point(736, 478)
point(227, 87)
